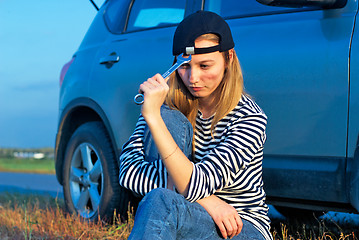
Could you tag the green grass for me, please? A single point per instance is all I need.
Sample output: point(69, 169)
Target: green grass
point(27, 165)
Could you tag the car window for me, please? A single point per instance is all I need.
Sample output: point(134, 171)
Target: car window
point(235, 8)
point(149, 14)
point(115, 15)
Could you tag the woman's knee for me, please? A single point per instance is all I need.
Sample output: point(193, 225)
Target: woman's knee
point(180, 128)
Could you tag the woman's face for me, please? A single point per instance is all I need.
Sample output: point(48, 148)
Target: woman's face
point(204, 73)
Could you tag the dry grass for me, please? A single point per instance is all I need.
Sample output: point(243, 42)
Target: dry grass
point(313, 229)
point(283, 234)
point(30, 217)
point(43, 217)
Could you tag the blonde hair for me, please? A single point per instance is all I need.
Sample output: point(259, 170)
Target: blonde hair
point(228, 93)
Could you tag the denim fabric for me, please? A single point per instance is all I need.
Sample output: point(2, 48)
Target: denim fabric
point(180, 129)
point(165, 214)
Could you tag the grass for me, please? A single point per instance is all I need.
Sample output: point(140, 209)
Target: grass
point(24, 216)
point(312, 229)
point(28, 165)
point(43, 217)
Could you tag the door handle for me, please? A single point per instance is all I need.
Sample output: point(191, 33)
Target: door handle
point(110, 59)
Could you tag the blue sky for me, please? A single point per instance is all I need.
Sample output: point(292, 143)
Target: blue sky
point(37, 38)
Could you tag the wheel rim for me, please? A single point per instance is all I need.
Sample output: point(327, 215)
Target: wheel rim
point(86, 180)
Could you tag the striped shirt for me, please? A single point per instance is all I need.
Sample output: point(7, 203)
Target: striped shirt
point(228, 163)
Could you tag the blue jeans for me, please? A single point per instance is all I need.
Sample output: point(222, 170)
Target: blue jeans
point(165, 214)
point(180, 129)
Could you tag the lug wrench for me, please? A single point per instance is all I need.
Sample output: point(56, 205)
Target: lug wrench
point(139, 98)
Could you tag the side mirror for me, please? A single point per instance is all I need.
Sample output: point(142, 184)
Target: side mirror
point(327, 4)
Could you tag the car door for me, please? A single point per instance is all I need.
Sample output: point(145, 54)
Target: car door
point(139, 47)
point(295, 65)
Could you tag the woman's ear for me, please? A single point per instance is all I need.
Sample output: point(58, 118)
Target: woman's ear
point(231, 55)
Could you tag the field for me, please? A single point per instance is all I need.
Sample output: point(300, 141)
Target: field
point(24, 216)
point(27, 165)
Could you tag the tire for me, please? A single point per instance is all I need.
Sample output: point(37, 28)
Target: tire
point(90, 171)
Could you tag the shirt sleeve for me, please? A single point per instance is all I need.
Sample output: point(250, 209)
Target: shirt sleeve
point(137, 174)
point(242, 144)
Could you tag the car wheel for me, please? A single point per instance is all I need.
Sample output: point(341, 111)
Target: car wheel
point(90, 172)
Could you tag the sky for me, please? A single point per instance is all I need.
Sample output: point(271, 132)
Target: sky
point(37, 37)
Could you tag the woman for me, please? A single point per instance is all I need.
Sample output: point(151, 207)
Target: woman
point(221, 186)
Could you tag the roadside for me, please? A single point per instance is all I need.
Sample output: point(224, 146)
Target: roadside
point(23, 176)
point(30, 183)
point(28, 175)
point(46, 184)
point(42, 185)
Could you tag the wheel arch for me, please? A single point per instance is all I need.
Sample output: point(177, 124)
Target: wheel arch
point(76, 113)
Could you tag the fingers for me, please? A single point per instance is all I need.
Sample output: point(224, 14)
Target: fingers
point(233, 226)
point(155, 83)
point(222, 229)
point(224, 215)
point(228, 223)
point(230, 226)
point(239, 224)
point(154, 92)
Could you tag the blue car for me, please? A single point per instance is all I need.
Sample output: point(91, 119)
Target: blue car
point(300, 64)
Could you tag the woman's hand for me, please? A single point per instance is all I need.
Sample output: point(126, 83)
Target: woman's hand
point(224, 215)
point(155, 90)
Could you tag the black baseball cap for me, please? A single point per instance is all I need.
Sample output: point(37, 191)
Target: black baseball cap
point(197, 24)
